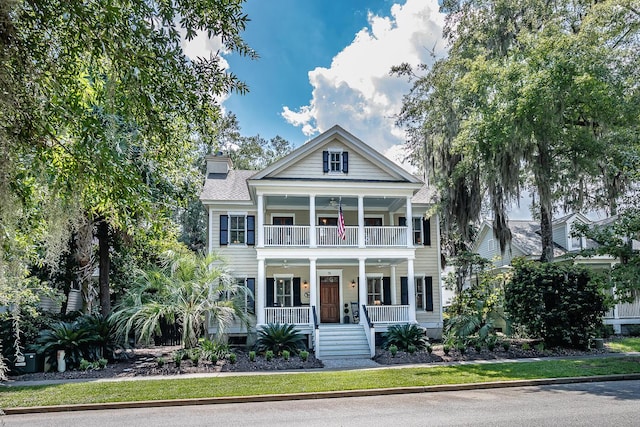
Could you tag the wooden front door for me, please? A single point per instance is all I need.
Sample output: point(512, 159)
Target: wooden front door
point(329, 299)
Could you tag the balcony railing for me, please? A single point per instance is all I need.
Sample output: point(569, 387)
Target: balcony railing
point(291, 315)
point(380, 314)
point(298, 235)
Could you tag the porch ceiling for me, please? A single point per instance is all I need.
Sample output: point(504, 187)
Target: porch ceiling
point(334, 262)
point(331, 202)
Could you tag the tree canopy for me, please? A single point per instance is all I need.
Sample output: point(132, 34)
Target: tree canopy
point(533, 95)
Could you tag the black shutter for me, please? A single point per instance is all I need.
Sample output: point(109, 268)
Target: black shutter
point(224, 230)
point(404, 291)
point(428, 289)
point(325, 161)
point(251, 302)
point(270, 283)
point(386, 290)
point(345, 162)
point(251, 230)
point(426, 230)
point(296, 292)
point(402, 221)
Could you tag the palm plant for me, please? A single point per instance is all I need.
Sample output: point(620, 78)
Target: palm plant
point(186, 288)
point(74, 338)
point(406, 335)
point(477, 320)
point(278, 337)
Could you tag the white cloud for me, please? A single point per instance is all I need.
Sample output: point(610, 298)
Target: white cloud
point(357, 91)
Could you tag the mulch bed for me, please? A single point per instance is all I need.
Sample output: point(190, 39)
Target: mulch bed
point(144, 362)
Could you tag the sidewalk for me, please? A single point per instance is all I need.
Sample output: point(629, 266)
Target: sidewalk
point(335, 365)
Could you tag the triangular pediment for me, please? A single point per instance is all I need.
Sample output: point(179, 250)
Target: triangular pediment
point(364, 162)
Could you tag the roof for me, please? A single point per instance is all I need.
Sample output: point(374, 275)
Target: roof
point(231, 186)
point(424, 195)
point(526, 236)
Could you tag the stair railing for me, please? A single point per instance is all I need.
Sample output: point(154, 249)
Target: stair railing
point(316, 332)
point(370, 332)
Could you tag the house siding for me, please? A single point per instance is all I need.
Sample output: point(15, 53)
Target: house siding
point(311, 166)
point(560, 232)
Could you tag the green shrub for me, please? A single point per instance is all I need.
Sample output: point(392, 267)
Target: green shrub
point(278, 337)
point(429, 350)
point(405, 335)
point(411, 348)
point(252, 356)
point(393, 349)
point(75, 339)
point(194, 355)
point(85, 365)
point(462, 349)
point(506, 345)
point(477, 347)
point(285, 354)
point(632, 330)
point(160, 361)
point(268, 355)
point(525, 346)
point(559, 303)
point(177, 358)
point(446, 349)
point(213, 350)
point(233, 358)
point(539, 347)
point(304, 355)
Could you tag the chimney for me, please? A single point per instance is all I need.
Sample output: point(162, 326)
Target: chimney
point(218, 163)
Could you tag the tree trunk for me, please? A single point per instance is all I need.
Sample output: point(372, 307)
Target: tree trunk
point(104, 263)
point(542, 177)
point(84, 258)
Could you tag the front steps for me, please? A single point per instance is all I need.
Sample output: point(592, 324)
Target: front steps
point(342, 342)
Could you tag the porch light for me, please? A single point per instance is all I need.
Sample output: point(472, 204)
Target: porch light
point(353, 283)
point(305, 284)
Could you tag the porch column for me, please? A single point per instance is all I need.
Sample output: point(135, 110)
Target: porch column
point(362, 287)
point(411, 287)
point(312, 223)
point(313, 292)
point(409, 223)
point(361, 242)
point(210, 237)
point(393, 285)
point(261, 293)
point(260, 221)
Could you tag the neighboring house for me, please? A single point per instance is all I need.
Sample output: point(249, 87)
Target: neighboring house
point(280, 231)
point(526, 242)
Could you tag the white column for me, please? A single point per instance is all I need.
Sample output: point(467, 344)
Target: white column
point(362, 287)
point(409, 223)
point(210, 237)
point(313, 291)
point(312, 221)
point(411, 287)
point(261, 293)
point(260, 221)
point(394, 297)
point(361, 242)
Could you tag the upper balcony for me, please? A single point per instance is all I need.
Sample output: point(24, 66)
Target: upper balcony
point(328, 236)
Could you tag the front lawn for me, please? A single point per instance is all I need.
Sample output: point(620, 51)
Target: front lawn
point(127, 391)
point(625, 345)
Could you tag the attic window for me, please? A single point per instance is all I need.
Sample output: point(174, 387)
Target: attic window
point(335, 161)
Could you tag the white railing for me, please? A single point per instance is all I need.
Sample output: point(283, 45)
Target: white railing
point(298, 235)
point(388, 313)
point(385, 236)
point(627, 310)
point(286, 235)
point(328, 236)
point(291, 315)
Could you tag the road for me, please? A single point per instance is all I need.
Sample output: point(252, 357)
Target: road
point(587, 404)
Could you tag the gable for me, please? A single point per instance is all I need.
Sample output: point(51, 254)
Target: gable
point(364, 163)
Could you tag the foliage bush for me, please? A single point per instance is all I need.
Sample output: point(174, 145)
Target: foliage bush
point(304, 355)
point(213, 349)
point(406, 335)
point(77, 340)
point(278, 337)
point(233, 358)
point(393, 349)
point(559, 303)
point(632, 330)
point(286, 355)
point(252, 356)
point(268, 355)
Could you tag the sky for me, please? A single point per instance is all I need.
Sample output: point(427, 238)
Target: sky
point(327, 62)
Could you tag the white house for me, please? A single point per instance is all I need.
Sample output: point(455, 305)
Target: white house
point(280, 232)
point(527, 242)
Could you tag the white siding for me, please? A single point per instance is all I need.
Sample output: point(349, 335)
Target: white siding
point(239, 258)
point(560, 234)
point(311, 166)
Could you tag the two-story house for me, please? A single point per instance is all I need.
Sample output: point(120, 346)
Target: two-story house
point(334, 238)
point(527, 242)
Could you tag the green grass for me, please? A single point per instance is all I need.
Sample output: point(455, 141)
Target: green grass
point(126, 391)
point(625, 345)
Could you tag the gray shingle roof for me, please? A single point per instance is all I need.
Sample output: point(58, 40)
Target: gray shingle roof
point(231, 186)
point(526, 235)
point(424, 195)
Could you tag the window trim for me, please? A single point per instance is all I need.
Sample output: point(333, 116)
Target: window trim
point(288, 277)
point(379, 277)
point(229, 229)
point(421, 278)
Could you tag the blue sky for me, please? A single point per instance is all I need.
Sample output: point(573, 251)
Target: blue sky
point(327, 62)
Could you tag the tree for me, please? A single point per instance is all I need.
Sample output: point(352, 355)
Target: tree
point(100, 113)
point(533, 94)
point(183, 290)
point(561, 303)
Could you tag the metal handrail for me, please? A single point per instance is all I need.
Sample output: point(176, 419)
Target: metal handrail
point(315, 317)
point(366, 316)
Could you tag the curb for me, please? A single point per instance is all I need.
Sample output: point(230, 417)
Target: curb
point(317, 395)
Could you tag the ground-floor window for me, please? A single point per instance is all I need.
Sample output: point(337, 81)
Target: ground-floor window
point(374, 290)
point(419, 292)
point(283, 291)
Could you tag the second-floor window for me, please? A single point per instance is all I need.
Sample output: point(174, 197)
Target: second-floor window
point(237, 229)
point(335, 161)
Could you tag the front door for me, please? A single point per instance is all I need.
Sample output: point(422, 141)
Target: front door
point(329, 299)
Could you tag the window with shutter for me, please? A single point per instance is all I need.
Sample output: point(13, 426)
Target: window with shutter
point(429, 293)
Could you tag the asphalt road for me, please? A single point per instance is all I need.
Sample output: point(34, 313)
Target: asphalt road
point(615, 403)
